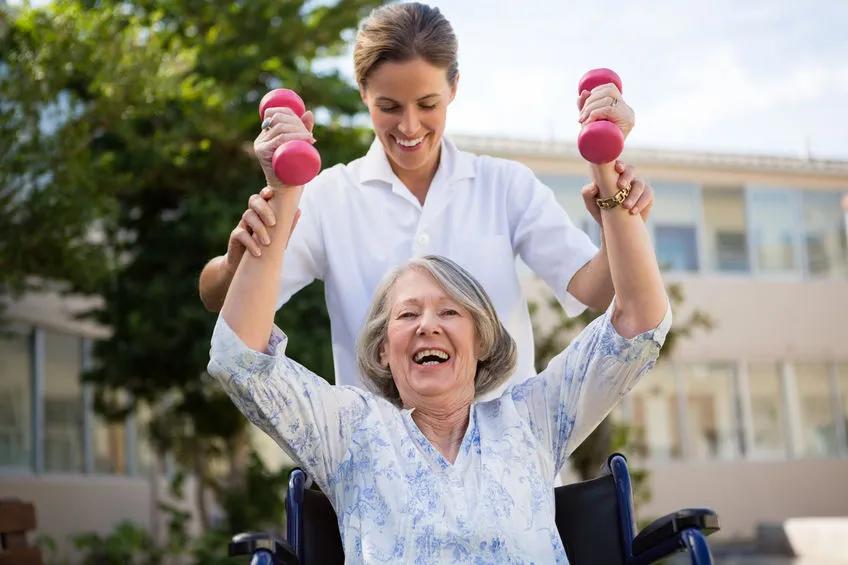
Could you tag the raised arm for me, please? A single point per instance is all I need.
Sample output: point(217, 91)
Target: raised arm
point(640, 298)
point(580, 386)
point(251, 235)
point(249, 305)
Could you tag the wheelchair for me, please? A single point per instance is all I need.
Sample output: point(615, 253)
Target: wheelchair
point(595, 519)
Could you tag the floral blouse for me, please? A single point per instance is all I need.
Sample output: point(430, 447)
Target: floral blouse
point(398, 500)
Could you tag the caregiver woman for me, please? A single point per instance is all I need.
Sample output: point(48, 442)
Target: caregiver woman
point(415, 194)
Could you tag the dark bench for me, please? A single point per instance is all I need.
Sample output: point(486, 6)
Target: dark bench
point(16, 519)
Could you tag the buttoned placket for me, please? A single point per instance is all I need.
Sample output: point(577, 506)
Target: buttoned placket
point(438, 196)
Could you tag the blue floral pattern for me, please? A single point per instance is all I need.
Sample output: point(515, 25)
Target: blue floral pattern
point(398, 500)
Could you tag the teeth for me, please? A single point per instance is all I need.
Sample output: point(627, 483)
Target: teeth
point(411, 143)
point(435, 352)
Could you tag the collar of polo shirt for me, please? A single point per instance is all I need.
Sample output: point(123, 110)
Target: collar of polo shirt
point(376, 167)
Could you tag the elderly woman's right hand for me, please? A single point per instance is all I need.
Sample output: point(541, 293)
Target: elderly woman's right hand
point(251, 232)
point(282, 125)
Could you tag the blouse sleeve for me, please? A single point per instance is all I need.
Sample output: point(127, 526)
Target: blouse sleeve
point(581, 385)
point(309, 418)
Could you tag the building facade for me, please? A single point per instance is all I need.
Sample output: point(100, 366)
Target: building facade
point(748, 417)
point(83, 473)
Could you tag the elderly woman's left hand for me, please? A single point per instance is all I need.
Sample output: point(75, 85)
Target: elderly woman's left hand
point(639, 201)
point(604, 102)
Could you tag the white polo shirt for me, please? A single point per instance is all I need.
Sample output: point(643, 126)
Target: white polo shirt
point(359, 220)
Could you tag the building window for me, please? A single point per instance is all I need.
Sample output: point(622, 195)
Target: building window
point(15, 400)
point(824, 234)
point(774, 228)
point(63, 403)
point(655, 412)
point(144, 455)
point(712, 414)
point(567, 191)
point(767, 411)
point(818, 428)
point(674, 219)
point(110, 443)
point(725, 236)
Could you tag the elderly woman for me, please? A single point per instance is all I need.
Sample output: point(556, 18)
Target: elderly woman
point(414, 193)
point(420, 470)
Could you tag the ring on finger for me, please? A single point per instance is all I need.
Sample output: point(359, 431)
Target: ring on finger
point(266, 124)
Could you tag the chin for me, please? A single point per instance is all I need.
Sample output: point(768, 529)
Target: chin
point(429, 385)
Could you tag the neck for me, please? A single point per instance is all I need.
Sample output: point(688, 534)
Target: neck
point(418, 180)
point(444, 427)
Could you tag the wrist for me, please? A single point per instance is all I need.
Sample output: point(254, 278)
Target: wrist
point(605, 178)
point(285, 203)
point(273, 182)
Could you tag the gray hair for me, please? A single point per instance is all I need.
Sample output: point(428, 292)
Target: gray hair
point(497, 348)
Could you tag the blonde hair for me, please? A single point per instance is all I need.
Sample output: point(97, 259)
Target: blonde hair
point(497, 348)
point(403, 32)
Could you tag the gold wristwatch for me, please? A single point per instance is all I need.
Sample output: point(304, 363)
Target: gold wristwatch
point(613, 200)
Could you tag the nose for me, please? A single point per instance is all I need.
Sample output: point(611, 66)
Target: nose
point(428, 324)
point(410, 123)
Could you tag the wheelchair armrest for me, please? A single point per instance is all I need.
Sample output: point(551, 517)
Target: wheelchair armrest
point(248, 543)
point(670, 525)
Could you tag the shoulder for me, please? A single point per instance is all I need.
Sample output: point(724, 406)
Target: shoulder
point(327, 181)
point(512, 180)
point(513, 172)
point(331, 186)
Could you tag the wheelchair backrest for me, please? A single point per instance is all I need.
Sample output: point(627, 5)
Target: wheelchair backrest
point(321, 540)
point(588, 521)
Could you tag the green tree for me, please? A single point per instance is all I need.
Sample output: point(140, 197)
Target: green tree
point(126, 160)
point(551, 339)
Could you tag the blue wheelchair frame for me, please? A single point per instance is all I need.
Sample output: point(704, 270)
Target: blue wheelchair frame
point(682, 530)
point(672, 537)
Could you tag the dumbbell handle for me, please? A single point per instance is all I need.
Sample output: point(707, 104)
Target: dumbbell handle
point(296, 162)
point(600, 141)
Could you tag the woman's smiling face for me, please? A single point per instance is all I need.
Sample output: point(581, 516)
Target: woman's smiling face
point(430, 347)
point(408, 105)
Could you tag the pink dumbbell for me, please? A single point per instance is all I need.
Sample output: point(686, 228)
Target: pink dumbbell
point(600, 141)
point(295, 162)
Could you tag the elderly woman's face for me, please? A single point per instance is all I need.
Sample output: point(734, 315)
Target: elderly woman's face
point(408, 105)
point(431, 347)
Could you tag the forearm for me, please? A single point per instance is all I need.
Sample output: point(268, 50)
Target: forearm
point(592, 284)
point(641, 300)
point(215, 279)
point(249, 304)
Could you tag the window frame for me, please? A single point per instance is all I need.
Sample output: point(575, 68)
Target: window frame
point(696, 195)
point(36, 344)
point(798, 251)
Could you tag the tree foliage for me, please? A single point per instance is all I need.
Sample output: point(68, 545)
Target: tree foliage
point(125, 137)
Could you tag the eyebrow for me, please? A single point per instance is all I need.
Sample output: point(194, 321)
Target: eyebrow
point(416, 302)
point(425, 97)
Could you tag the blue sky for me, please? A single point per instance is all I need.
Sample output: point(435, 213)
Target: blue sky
point(752, 77)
